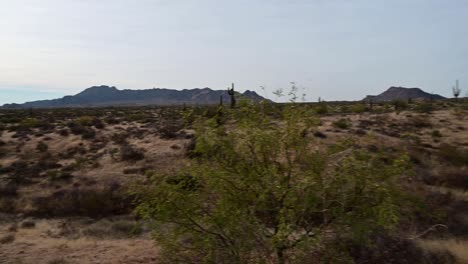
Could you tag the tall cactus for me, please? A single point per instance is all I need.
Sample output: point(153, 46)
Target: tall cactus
point(232, 95)
point(456, 90)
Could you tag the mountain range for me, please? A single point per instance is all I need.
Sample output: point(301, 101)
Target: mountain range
point(110, 96)
point(402, 93)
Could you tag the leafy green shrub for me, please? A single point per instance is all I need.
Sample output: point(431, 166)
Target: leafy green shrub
point(322, 108)
point(341, 123)
point(358, 108)
point(258, 193)
point(29, 123)
point(85, 121)
point(399, 105)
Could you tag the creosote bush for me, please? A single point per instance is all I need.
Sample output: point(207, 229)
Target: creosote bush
point(258, 192)
point(341, 123)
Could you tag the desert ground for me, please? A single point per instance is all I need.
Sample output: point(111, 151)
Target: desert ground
point(66, 177)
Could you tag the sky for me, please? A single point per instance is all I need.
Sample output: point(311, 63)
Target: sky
point(333, 49)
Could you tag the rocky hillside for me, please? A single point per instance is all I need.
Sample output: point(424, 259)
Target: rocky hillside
point(402, 93)
point(111, 96)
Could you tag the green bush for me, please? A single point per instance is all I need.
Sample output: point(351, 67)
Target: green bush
point(341, 123)
point(426, 108)
point(322, 108)
point(257, 192)
point(358, 108)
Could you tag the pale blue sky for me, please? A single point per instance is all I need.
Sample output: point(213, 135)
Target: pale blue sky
point(336, 49)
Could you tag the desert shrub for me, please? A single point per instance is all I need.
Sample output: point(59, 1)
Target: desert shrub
point(119, 229)
point(119, 138)
point(58, 261)
point(63, 132)
point(97, 123)
point(459, 113)
point(91, 202)
point(129, 153)
point(345, 109)
point(426, 108)
point(322, 108)
point(28, 224)
point(88, 133)
point(29, 123)
point(135, 117)
point(420, 121)
point(7, 204)
point(190, 148)
point(19, 172)
point(6, 239)
point(76, 128)
point(8, 188)
point(42, 147)
point(455, 177)
point(112, 121)
point(85, 121)
point(358, 108)
point(73, 151)
point(387, 249)
point(436, 134)
point(319, 134)
point(454, 155)
point(258, 193)
point(399, 105)
point(411, 138)
point(58, 175)
point(341, 123)
point(139, 170)
point(170, 130)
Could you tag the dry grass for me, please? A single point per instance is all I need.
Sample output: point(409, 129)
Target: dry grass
point(458, 248)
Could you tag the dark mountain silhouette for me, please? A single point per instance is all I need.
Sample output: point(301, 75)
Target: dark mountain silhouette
point(111, 96)
point(402, 93)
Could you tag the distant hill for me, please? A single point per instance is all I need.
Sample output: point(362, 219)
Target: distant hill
point(402, 93)
point(111, 96)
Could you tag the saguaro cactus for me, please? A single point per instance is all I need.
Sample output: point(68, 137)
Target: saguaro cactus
point(232, 95)
point(456, 90)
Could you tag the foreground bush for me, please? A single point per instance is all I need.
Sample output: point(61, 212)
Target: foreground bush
point(258, 193)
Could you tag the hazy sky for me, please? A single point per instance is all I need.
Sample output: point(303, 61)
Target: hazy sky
point(336, 49)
